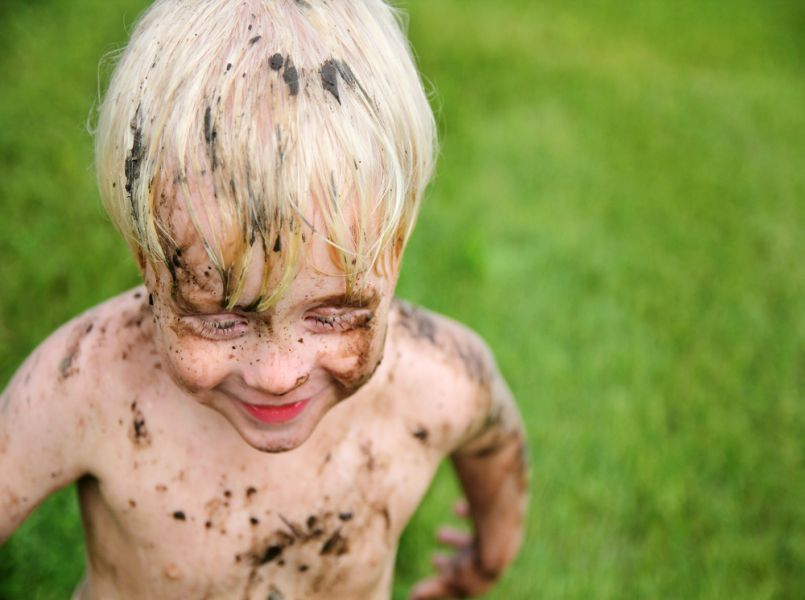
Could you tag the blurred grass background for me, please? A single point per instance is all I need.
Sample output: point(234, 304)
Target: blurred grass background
point(618, 210)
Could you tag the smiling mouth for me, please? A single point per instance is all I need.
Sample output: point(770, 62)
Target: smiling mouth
point(276, 414)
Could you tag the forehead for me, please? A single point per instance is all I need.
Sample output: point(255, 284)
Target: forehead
point(198, 285)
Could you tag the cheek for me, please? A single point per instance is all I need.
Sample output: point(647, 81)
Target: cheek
point(193, 364)
point(356, 358)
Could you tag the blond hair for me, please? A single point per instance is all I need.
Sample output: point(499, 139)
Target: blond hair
point(280, 109)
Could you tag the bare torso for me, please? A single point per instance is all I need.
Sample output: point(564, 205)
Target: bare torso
point(176, 505)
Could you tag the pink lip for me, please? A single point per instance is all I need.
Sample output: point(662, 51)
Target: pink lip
point(276, 414)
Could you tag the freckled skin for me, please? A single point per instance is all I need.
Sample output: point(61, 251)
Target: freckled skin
point(183, 494)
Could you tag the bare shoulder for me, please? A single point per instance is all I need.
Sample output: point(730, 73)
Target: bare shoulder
point(73, 372)
point(444, 369)
point(52, 412)
point(86, 352)
point(442, 338)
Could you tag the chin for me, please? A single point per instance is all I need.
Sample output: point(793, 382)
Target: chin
point(272, 438)
point(271, 442)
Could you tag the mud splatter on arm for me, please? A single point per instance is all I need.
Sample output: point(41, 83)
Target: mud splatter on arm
point(492, 466)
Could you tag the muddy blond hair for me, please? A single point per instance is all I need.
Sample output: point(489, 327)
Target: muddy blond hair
point(272, 111)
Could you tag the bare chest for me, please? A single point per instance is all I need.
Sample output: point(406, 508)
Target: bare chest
point(177, 516)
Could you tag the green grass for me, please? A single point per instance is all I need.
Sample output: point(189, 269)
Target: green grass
point(619, 210)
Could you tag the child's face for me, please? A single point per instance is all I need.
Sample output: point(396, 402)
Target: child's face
point(273, 375)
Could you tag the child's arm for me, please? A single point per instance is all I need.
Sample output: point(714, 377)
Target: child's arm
point(42, 425)
point(492, 466)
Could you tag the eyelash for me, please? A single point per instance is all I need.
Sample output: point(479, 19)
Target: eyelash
point(216, 330)
point(228, 329)
point(344, 322)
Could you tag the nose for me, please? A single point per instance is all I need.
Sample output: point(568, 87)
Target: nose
point(276, 373)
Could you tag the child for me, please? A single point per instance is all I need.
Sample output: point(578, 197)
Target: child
point(262, 417)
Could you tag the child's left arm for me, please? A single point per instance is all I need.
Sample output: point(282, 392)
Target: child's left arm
point(492, 466)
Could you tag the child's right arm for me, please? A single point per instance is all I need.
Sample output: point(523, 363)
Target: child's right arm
point(45, 416)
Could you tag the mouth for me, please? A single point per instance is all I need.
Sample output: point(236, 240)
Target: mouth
point(281, 413)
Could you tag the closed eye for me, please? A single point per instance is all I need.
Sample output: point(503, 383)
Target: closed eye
point(333, 322)
point(223, 327)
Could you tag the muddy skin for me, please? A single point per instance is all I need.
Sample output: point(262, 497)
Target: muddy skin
point(271, 553)
point(336, 544)
point(519, 459)
point(313, 531)
point(139, 432)
point(291, 77)
point(416, 323)
point(254, 40)
point(67, 365)
point(322, 540)
point(329, 78)
point(501, 438)
point(179, 515)
point(421, 434)
point(302, 3)
point(474, 363)
point(419, 325)
point(366, 450)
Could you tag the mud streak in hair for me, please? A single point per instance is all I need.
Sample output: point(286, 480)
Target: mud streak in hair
point(210, 135)
point(291, 77)
point(133, 160)
point(329, 78)
point(275, 62)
